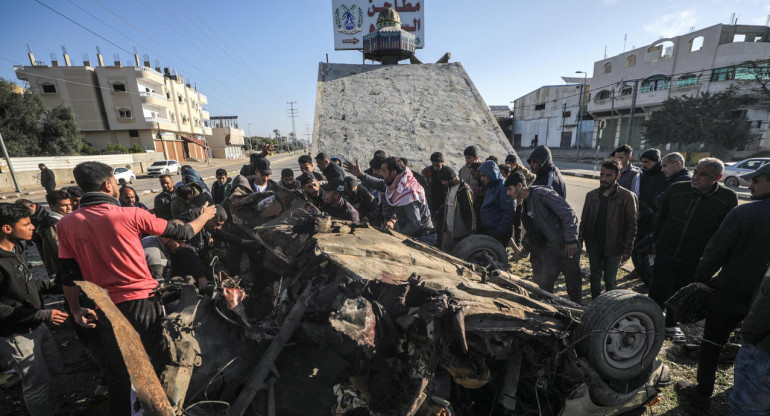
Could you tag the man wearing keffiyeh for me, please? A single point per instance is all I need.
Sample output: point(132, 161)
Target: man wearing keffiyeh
point(405, 206)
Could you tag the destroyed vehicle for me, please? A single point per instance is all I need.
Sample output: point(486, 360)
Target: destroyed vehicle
point(368, 321)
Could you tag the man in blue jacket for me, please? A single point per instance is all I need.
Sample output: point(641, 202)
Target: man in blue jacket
point(551, 235)
point(497, 210)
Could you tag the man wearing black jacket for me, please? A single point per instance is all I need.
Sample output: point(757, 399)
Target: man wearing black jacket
point(739, 252)
point(435, 191)
point(547, 174)
point(47, 178)
point(363, 201)
point(650, 186)
point(23, 337)
point(330, 170)
point(690, 214)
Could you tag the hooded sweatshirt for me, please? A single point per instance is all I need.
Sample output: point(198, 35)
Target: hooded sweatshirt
point(20, 302)
point(193, 176)
point(548, 174)
point(497, 210)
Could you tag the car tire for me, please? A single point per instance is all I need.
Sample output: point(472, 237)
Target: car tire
point(476, 247)
point(620, 334)
point(732, 182)
point(122, 182)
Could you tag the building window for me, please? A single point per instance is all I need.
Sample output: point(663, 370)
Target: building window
point(539, 106)
point(626, 91)
point(608, 67)
point(603, 95)
point(168, 95)
point(751, 71)
point(630, 61)
point(48, 88)
point(173, 117)
point(723, 74)
point(125, 114)
point(686, 80)
point(119, 87)
point(655, 83)
point(179, 97)
point(133, 133)
point(566, 114)
point(662, 50)
point(696, 44)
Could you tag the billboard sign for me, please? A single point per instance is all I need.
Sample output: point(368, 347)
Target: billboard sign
point(352, 19)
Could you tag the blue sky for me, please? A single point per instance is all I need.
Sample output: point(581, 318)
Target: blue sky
point(251, 57)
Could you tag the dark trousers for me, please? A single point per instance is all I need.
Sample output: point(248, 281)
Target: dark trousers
point(641, 259)
point(546, 266)
point(517, 224)
point(668, 276)
point(606, 266)
point(146, 316)
point(721, 320)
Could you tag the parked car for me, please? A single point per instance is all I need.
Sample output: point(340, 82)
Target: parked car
point(164, 167)
point(124, 176)
point(732, 175)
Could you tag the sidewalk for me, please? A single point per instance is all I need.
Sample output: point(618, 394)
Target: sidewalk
point(589, 173)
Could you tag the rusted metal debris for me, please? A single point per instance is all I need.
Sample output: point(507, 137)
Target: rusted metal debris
point(148, 388)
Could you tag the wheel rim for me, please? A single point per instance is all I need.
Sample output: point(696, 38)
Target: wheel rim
point(628, 340)
point(731, 181)
point(482, 257)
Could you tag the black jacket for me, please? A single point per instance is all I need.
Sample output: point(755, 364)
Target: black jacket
point(549, 221)
point(435, 191)
point(162, 207)
point(740, 248)
point(333, 171)
point(681, 176)
point(548, 174)
point(366, 205)
point(688, 219)
point(756, 327)
point(20, 301)
point(48, 179)
point(651, 184)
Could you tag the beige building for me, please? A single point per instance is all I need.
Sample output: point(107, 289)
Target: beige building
point(226, 139)
point(128, 105)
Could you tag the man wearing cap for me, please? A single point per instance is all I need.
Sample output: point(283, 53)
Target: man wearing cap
point(330, 170)
point(333, 203)
point(248, 170)
point(650, 186)
point(435, 191)
point(306, 165)
point(471, 156)
point(262, 181)
point(310, 189)
point(738, 252)
point(690, 214)
point(551, 235)
point(547, 174)
point(287, 179)
point(629, 174)
point(458, 209)
point(363, 201)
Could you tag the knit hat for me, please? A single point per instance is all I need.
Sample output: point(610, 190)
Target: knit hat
point(334, 185)
point(651, 154)
point(305, 178)
point(351, 182)
point(446, 174)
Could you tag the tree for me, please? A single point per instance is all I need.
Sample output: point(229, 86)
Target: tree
point(712, 119)
point(31, 129)
point(506, 123)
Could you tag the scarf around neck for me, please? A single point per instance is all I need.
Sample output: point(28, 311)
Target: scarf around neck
point(404, 190)
point(96, 198)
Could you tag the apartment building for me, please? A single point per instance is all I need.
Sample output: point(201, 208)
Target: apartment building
point(550, 116)
point(226, 139)
point(128, 105)
point(628, 87)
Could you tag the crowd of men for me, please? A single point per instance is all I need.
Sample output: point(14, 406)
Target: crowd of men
point(678, 228)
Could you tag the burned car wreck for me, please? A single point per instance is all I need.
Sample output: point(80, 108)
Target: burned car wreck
point(368, 321)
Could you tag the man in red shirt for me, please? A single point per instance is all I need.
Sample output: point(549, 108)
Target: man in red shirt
point(100, 243)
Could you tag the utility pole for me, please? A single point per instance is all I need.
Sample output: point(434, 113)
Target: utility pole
point(10, 165)
point(248, 131)
point(293, 115)
point(633, 110)
point(580, 112)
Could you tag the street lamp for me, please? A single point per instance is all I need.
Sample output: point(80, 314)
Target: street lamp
point(248, 131)
point(580, 112)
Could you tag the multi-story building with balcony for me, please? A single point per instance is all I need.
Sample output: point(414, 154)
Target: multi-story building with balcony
point(128, 105)
point(628, 87)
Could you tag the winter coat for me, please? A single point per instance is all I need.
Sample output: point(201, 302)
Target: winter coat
point(367, 206)
point(333, 171)
point(681, 176)
point(162, 208)
point(650, 186)
point(498, 210)
point(687, 220)
point(629, 178)
point(755, 329)
point(435, 191)
point(548, 220)
point(179, 205)
point(48, 179)
point(621, 221)
point(20, 300)
point(221, 192)
point(50, 243)
point(412, 219)
point(464, 219)
point(465, 174)
point(739, 248)
point(548, 174)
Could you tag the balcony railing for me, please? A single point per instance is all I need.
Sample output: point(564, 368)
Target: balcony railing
point(153, 95)
point(156, 120)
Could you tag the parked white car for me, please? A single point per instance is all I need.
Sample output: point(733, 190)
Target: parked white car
point(164, 167)
point(732, 175)
point(124, 176)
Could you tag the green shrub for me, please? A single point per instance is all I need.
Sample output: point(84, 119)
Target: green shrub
point(115, 148)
